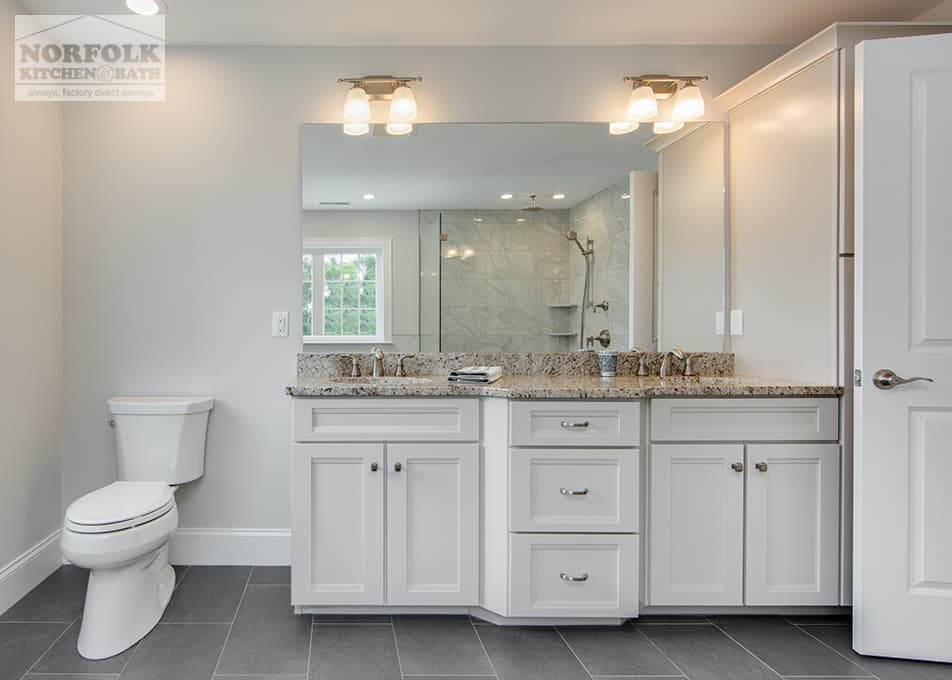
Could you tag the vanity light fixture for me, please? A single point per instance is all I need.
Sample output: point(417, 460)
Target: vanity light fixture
point(663, 127)
point(506, 197)
point(144, 7)
point(649, 89)
point(366, 90)
point(622, 127)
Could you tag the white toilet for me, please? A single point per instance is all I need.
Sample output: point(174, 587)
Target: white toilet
point(121, 532)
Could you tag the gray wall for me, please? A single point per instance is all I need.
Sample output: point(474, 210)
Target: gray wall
point(183, 231)
point(31, 302)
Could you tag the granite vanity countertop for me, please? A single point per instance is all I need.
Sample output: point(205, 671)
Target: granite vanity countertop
point(564, 387)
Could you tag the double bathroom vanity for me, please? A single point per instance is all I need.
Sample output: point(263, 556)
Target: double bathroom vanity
point(554, 495)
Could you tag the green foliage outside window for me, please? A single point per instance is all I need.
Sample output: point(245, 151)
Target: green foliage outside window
point(349, 294)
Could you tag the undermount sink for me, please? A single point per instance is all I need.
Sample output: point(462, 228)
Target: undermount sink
point(383, 380)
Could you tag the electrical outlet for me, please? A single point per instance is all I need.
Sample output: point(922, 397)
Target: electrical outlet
point(737, 322)
point(719, 322)
point(279, 324)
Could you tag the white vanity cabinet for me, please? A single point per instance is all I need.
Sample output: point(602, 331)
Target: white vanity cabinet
point(560, 509)
point(392, 519)
point(743, 502)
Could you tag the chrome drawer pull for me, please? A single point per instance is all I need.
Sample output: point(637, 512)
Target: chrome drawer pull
point(580, 492)
point(570, 425)
point(573, 579)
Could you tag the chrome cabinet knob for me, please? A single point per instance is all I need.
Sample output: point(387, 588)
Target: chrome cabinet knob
point(397, 467)
point(737, 467)
point(885, 379)
point(762, 467)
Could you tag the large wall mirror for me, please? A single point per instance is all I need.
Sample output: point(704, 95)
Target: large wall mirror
point(513, 237)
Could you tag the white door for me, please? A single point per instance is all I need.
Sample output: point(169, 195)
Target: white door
point(902, 593)
point(696, 525)
point(337, 524)
point(793, 524)
point(433, 524)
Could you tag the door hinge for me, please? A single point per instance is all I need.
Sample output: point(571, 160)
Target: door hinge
point(857, 378)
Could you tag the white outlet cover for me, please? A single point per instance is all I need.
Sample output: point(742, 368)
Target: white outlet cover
point(719, 322)
point(279, 324)
point(737, 322)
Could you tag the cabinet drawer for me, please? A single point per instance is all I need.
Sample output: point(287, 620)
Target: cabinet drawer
point(573, 490)
point(760, 419)
point(573, 575)
point(395, 419)
point(573, 423)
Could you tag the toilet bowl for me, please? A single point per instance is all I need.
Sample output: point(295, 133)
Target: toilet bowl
point(121, 532)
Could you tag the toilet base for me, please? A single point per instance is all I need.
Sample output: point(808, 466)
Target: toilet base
point(124, 604)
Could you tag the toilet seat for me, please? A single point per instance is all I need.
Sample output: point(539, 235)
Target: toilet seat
point(119, 506)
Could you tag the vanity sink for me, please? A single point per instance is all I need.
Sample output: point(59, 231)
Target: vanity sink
point(384, 380)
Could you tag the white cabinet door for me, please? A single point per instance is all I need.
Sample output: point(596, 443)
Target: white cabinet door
point(433, 524)
point(696, 526)
point(792, 524)
point(337, 524)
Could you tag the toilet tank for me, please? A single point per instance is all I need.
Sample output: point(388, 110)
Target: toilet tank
point(160, 439)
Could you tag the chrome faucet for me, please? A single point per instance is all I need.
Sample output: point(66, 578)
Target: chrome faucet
point(666, 361)
point(377, 355)
point(642, 364)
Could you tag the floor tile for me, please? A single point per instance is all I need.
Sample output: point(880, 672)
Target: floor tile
point(439, 645)
point(207, 595)
point(784, 647)
point(21, 644)
point(840, 638)
point(268, 637)
point(661, 618)
point(349, 652)
point(68, 676)
point(449, 677)
point(703, 652)
point(63, 657)
point(616, 651)
point(270, 576)
point(831, 619)
point(321, 619)
point(260, 677)
point(530, 654)
point(180, 572)
point(177, 652)
point(59, 598)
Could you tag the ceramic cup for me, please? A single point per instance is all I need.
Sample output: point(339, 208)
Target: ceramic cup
point(607, 362)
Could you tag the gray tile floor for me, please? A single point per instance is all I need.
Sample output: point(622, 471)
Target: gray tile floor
point(234, 623)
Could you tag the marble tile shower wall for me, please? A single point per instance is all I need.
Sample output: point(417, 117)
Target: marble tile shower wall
point(604, 218)
point(500, 279)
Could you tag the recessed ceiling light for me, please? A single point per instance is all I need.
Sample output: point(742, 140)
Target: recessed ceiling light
point(369, 197)
point(477, 219)
point(506, 197)
point(626, 195)
point(146, 7)
point(558, 197)
point(520, 219)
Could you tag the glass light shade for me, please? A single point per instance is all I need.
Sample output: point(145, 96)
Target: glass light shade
point(398, 129)
point(689, 103)
point(621, 127)
point(403, 105)
point(665, 126)
point(147, 7)
point(356, 106)
point(642, 105)
point(356, 129)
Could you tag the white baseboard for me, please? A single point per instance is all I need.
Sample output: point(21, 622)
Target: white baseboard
point(215, 546)
point(28, 570)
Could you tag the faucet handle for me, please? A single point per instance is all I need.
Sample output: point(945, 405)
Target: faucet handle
point(642, 361)
point(354, 365)
point(689, 370)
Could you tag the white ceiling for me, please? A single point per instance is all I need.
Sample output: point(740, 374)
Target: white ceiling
point(467, 166)
point(502, 22)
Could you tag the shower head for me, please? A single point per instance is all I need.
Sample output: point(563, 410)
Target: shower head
point(532, 207)
point(571, 235)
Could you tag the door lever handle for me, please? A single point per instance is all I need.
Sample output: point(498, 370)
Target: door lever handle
point(885, 379)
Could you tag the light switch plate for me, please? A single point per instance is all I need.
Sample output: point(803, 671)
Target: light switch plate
point(719, 322)
point(279, 324)
point(737, 322)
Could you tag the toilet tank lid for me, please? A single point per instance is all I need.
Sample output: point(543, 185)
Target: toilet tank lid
point(159, 405)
